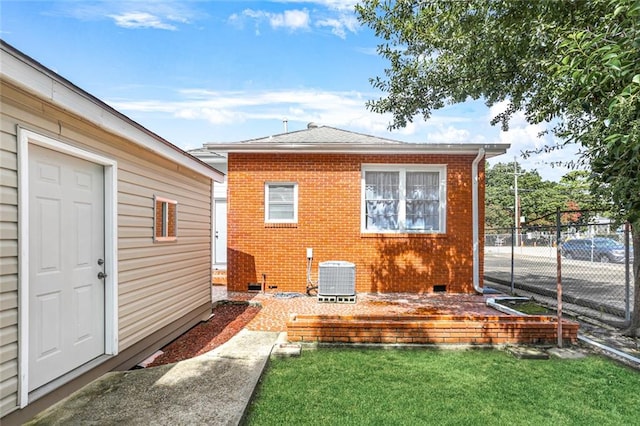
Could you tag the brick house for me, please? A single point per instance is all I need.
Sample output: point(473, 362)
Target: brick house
point(408, 216)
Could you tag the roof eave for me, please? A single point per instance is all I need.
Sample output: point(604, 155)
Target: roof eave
point(491, 150)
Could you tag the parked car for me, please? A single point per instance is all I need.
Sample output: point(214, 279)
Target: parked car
point(603, 250)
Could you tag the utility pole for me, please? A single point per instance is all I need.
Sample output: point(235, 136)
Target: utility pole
point(516, 207)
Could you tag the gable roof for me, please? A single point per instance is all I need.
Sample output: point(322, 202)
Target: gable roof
point(324, 139)
point(321, 135)
point(27, 73)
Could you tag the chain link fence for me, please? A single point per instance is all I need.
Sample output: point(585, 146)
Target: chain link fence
point(594, 266)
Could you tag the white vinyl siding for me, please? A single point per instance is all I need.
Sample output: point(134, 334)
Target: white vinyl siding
point(8, 266)
point(160, 283)
point(281, 202)
point(403, 198)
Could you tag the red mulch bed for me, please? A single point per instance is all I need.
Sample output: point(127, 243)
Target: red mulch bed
point(227, 320)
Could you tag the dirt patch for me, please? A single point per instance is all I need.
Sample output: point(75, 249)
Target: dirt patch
point(227, 320)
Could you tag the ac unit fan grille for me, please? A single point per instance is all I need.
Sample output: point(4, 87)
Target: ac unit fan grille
point(336, 278)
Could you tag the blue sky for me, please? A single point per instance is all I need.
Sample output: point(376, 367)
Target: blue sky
point(197, 72)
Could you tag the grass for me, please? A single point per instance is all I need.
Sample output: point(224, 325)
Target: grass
point(430, 387)
point(527, 307)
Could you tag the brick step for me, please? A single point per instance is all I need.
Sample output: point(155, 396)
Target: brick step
point(432, 329)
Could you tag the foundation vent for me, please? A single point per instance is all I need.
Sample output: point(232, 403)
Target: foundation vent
point(336, 278)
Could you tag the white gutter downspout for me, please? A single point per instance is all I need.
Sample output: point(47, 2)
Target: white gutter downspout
point(474, 220)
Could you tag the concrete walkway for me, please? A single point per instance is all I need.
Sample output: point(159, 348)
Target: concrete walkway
point(211, 389)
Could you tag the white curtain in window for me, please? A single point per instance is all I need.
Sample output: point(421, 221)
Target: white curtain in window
point(423, 200)
point(382, 198)
point(281, 202)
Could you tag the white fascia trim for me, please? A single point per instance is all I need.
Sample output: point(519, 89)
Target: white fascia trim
point(491, 150)
point(25, 138)
point(46, 84)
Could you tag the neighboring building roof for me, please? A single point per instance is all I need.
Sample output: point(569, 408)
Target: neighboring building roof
point(45, 83)
point(208, 156)
point(324, 139)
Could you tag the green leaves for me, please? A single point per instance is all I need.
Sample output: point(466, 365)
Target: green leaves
point(574, 63)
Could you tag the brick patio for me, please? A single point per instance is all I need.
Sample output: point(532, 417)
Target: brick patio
point(398, 318)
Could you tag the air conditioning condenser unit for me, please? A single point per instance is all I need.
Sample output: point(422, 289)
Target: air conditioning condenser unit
point(336, 278)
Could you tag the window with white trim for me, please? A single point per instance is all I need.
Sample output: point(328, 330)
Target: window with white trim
point(281, 202)
point(165, 219)
point(403, 198)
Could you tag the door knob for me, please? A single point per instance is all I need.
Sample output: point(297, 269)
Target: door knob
point(102, 275)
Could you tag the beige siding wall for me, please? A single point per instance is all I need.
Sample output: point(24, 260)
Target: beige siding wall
point(8, 266)
point(158, 283)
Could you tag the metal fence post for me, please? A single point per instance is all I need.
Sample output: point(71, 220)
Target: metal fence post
point(559, 276)
point(627, 275)
point(513, 272)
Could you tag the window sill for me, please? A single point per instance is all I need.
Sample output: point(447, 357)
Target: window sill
point(165, 239)
point(280, 225)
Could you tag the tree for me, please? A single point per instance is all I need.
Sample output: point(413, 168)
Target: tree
point(499, 198)
point(538, 198)
point(571, 214)
point(575, 64)
point(577, 185)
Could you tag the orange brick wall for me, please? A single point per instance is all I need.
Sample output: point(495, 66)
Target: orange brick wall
point(329, 215)
point(429, 329)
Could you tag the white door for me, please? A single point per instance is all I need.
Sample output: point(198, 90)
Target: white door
point(66, 241)
point(220, 232)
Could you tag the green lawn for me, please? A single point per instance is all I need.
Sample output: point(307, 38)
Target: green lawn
point(431, 387)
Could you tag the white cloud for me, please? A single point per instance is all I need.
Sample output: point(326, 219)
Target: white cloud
point(337, 16)
point(212, 115)
point(369, 51)
point(521, 135)
point(339, 109)
point(141, 20)
point(163, 14)
point(452, 134)
point(340, 24)
point(332, 108)
point(292, 20)
point(341, 5)
point(235, 19)
point(342, 109)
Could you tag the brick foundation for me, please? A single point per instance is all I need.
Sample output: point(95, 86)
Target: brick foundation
point(432, 329)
